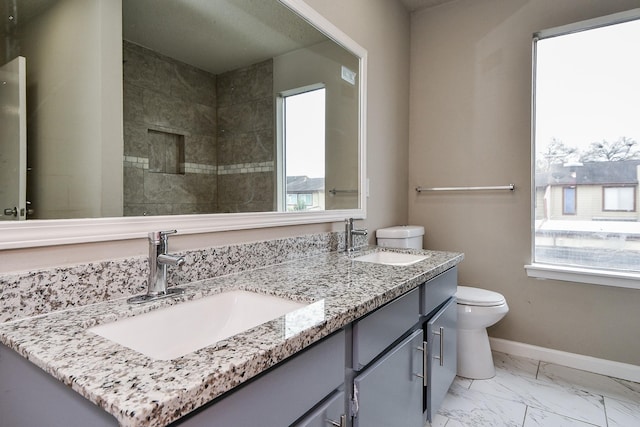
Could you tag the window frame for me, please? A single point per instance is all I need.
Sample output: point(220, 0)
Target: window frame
point(616, 278)
point(604, 192)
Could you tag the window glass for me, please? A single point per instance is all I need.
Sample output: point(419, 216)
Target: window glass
point(587, 145)
point(569, 204)
point(304, 148)
point(619, 199)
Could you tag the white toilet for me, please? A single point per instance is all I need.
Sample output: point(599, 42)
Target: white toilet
point(400, 236)
point(477, 310)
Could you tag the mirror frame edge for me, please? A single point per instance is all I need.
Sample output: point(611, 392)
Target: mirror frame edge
point(39, 233)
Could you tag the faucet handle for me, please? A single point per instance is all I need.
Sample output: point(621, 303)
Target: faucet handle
point(156, 236)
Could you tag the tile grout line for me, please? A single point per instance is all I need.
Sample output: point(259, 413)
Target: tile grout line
point(604, 406)
point(526, 411)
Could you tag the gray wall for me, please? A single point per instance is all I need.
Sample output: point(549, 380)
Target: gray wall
point(74, 134)
point(470, 125)
point(322, 63)
point(381, 27)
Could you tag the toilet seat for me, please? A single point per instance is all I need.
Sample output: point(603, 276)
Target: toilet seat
point(478, 297)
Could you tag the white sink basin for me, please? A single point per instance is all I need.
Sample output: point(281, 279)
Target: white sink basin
point(183, 328)
point(391, 258)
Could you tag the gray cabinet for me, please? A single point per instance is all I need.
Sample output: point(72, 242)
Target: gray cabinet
point(332, 412)
point(30, 397)
point(440, 332)
point(375, 332)
point(437, 291)
point(405, 383)
point(389, 392)
point(283, 394)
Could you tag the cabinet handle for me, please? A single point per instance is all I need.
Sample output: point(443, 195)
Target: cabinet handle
point(342, 423)
point(441, 334)
point(425, 362)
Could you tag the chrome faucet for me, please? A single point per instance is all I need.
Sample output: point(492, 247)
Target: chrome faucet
point(350, 232)
point(159, 259)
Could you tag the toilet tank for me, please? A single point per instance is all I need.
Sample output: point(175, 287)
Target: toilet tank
point(402, 236)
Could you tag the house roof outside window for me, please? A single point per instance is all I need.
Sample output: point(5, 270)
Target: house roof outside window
point(304, 184)
point(624, 172)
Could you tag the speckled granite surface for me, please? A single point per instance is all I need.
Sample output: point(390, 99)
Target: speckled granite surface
point(140, 391)
point(42, 291)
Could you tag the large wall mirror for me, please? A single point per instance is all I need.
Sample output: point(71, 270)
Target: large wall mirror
point(122, 117)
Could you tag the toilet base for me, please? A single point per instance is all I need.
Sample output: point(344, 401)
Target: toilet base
point(474, 354)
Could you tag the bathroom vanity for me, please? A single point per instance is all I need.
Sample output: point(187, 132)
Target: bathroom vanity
point(366, 328)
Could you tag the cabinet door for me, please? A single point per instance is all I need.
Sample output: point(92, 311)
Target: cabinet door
point(330, 413)
point(441, 331)
point(281, 395)
point(389, 392)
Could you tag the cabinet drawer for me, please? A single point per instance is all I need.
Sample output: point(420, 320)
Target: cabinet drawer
point(283, 394)
point(332, 410)
point(438, 290)
point(378, 330)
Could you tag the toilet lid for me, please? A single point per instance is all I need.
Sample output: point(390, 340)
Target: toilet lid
point(479, 297)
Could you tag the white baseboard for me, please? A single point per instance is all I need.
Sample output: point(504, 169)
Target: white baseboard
point(610, 368)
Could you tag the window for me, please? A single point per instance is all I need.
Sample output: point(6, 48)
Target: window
point(299, 202)
point(619, 199)
point(569, 201)
point(301, 140)
point(586, 145)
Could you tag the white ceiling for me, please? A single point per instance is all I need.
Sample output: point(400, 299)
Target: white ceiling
point(413, 5)
point(219, 35)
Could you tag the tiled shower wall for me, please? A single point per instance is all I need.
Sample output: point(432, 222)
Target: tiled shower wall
point(246, 149)
point(169, 135)
point(195, 142)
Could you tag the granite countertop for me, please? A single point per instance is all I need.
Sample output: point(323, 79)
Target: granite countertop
point(138, 390)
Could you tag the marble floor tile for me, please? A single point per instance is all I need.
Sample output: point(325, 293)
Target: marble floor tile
point(515, 365)
point(463, 382)
point(465, 407)
point(539, 418)
point(621, 413)
point(438, 421)
point(528, 393)
point(544, 395)
point(590, 382)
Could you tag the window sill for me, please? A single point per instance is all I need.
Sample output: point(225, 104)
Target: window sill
point(584, 275)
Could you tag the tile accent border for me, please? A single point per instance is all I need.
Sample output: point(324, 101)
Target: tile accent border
point(136, 162)
point(245, 168)
point(199, 168)
point(609, 368)
point(39, 292)
point(143, 163)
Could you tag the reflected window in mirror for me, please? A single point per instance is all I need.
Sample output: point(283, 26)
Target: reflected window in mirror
point(303, 144)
